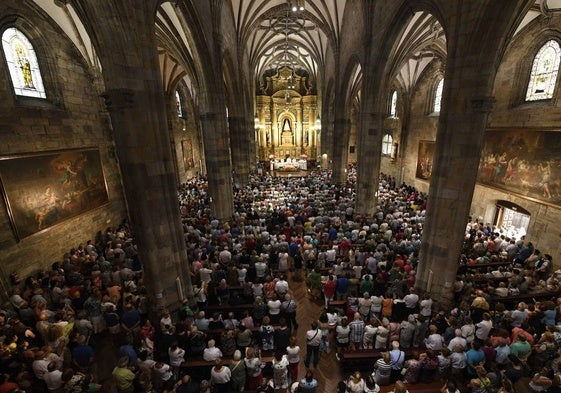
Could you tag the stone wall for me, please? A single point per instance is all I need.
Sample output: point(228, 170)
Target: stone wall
point(509, 111)
point(422, 127)
point(76, 119)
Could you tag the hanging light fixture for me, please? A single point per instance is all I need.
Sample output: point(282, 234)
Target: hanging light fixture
point(297, 5)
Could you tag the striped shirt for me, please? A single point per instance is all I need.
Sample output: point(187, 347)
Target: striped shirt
point(357, 331)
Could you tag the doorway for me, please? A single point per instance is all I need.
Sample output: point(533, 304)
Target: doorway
point(512, 219)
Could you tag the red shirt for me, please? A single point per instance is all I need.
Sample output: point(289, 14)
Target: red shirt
point(8, 386)
point(329, 288)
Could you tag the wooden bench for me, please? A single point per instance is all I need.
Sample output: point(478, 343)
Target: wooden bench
point(338, 304)
point(364, 359)
point(487, 265)
point(226, 308)
point(527, 296)
point(200, 369)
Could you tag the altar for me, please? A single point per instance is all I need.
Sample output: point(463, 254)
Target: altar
point(289, 165)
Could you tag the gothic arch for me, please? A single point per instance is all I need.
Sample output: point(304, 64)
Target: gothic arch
point(524, 68)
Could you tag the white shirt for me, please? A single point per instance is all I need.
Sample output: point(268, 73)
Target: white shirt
point(274, 307)
point(426, 307)
point(411, 300)
point(205, 274)
point(313, 337)
point(281, 287)
point(293, 354)
point(211, 354)
point(483, 329)
point(222, 376)
point(53, 379)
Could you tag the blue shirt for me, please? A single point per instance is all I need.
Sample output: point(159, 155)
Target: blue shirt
point(473, 358)
point(342, 284)
point(308, 386)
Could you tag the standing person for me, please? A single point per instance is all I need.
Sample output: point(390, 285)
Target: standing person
point(356, 332)
point(280, 372)
point(329, 290)
point(355, 383)
point(293, 356)
point(254, 367)
point(342, 332)
point(383, 366)
point(397, 357)
point(313, 341)
point(220, 377)
point(123, 376)
point(288, 309)
point(308, 384)
point(237, 371)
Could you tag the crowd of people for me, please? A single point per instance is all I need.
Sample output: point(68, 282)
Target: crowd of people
point(303, 230)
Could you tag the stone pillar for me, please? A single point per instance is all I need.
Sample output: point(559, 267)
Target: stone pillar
point(459, 141)
point(240, 144)
point(135, 101)
point(150, 187)
point(369, 156)
point(218, 165)
point(340, 150)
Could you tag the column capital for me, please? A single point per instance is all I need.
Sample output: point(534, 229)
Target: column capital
point(118, 99)
point(482, 104)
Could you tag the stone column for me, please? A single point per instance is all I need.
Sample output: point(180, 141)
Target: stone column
point(340, 150)
point(369, 156)
point(124, 40)
point(218, 165)
point(459, 142)
point(240, 147)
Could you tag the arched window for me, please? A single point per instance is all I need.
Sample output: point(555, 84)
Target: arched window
point(438, 96)
point(393, 105)
point(178, 104)
point(387, 142)
point(22, 63)
point(544, 72)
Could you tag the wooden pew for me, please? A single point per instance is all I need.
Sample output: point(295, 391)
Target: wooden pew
point(541, 295)
point(199, 369)
point(364, 359)
point(487, 265)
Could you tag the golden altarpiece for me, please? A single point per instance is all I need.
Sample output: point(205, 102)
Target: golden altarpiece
point(287, 118)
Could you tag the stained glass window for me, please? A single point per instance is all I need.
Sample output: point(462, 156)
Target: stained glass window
point(22, 63)
point(387, 142)
point(393, 106)
point(544, 72)
point(438, 96)
point(178, 104)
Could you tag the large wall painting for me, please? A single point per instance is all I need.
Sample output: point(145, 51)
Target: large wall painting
point(425, 158)
point(524, 162)
point(42, 190)
point(188, 161)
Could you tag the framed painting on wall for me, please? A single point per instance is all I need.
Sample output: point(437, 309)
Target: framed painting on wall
point(188, 161)
point(524, 162)
point(425, 159)
point(44, 189)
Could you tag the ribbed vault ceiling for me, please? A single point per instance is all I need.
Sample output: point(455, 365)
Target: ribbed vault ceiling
point(273, 35)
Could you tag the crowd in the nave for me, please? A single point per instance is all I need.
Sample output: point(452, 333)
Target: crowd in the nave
point(238, 329)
